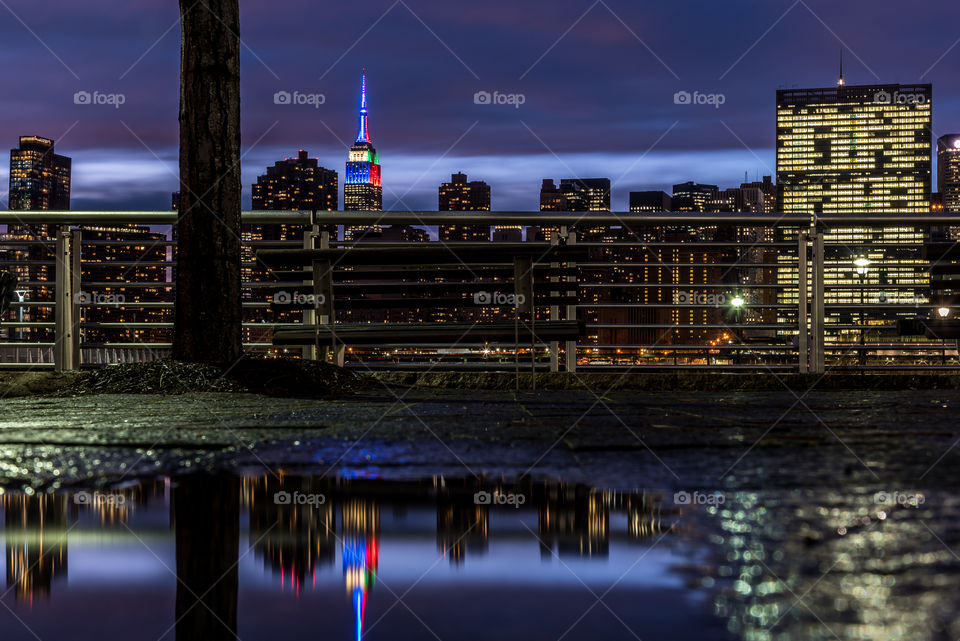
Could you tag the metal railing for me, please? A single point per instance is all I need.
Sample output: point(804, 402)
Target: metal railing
point(660, 291)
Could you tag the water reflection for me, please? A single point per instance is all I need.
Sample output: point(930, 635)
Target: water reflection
point(302, 550)
point(206, 517)
point(831, 565)
point(293, 539)
point(36, 542)
point(296, 525)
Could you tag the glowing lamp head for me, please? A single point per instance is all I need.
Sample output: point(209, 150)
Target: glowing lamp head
point(956, 143)
point(862, 264)
point(737, 302)
point(943, 312)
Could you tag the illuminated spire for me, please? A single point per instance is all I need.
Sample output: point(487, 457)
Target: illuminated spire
point(840, 80)
point(364, 134)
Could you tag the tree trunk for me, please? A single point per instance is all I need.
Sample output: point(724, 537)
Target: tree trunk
point(207, 315)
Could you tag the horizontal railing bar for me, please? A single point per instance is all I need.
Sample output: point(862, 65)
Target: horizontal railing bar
point(27, 345)
point(670, 348)
point(148, 244)
point(669, 265)
point(34, 365)
point(687, 328)
point(501, 218)
point(13, 323)
point(582, 284)
point(725, 306)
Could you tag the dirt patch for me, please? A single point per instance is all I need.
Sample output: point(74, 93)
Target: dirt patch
point(271, 376)
point(18, 384)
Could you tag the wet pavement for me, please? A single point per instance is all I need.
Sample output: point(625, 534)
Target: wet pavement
point(740, 515)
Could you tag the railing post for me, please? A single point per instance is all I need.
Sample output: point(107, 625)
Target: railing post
point(803, 283)
point(310, 315)
point(64, 303)
point(571, 347)
point(555, 309)
point(76, 244)
point(525, 302)
point(817, 304)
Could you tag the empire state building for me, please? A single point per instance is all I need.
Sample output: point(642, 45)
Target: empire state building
point(361, 187)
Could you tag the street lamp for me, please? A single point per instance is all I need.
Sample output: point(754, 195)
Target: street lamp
point(862, 263)
point(737, 304)
point(943, 312)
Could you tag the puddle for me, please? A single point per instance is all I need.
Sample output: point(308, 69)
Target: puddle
point(286, 555)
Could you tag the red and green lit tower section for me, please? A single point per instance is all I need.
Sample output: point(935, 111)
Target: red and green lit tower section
point(361, 187)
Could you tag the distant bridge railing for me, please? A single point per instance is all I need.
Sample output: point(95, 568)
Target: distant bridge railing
point(664, 291)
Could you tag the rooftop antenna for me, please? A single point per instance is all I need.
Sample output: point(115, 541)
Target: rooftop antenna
point(840, 80)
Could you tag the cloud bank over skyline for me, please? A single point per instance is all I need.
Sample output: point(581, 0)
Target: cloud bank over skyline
point(598, 82)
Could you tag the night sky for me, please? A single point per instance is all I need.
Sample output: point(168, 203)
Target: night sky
point(598, 81)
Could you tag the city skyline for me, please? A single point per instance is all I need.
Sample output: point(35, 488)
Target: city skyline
point(430, 129)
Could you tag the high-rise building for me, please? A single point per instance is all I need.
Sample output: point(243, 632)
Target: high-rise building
point(292, 184)
point(737, 199)
point(861, 150)
point(551, 198)
point(362, 190)
point(769, 193)
point(39, 178)
point(461, 195)
point(123, 254)
point(692, 197)
point(297, 184)
point(575, 194)
point(948, 171)
point(650, 201)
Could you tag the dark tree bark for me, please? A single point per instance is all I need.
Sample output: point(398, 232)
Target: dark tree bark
point(207, 315)
point(206, 513)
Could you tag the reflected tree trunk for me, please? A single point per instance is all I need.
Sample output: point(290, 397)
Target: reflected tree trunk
point(207, 313)
point(206, 513)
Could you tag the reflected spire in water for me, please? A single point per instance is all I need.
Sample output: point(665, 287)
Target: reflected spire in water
point(361, 553)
